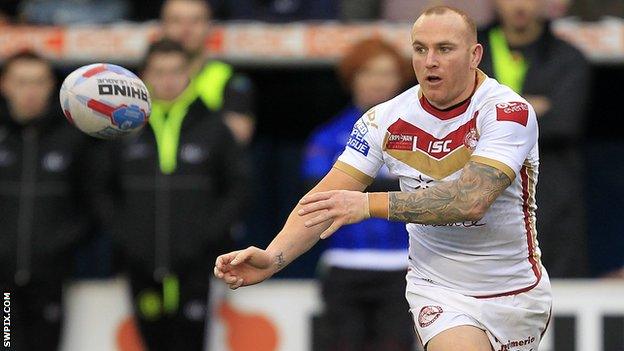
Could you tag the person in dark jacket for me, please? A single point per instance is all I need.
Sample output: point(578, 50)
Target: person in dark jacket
point(44, 198)
point(521, 51)
point(183, 181)
point(214, 82)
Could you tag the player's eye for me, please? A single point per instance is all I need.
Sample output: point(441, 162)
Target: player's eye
point(445, 49)
point(420, 49)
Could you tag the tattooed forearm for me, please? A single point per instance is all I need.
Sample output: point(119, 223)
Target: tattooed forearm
point(280, 261)
point(464, 199)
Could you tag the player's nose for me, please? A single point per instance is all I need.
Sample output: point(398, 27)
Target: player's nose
point(431, 60)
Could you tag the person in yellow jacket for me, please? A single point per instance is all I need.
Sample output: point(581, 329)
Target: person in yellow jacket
point(178, 186)
point(215, 82)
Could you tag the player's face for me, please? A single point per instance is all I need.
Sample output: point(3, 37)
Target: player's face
point(186, 22)
point(167, 75)
point(444, 58)
point(519, 14)
point(27, 86)
point(378, 80)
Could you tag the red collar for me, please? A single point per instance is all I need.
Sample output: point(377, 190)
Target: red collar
point(449, 112)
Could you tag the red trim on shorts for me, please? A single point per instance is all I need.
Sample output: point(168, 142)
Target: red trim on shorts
point(524, 176)
point(547, 323)
point(509, 293)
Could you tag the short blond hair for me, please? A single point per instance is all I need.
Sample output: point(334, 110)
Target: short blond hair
point(442, 9)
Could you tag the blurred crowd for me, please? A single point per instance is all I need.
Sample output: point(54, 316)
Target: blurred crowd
point(106, 11)
point(159, 206)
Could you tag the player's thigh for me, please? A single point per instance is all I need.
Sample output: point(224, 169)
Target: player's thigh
point(460, 338)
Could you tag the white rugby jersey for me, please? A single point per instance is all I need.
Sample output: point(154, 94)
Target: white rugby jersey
point(422, 145)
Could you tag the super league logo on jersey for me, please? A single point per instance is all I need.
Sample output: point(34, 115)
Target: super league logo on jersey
point(356, 139)
point(514, 111)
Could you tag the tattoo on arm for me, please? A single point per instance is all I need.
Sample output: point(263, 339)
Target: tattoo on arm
point(281, 262)
point(464, 199)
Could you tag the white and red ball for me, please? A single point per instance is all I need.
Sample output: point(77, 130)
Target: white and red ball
point(105, 100)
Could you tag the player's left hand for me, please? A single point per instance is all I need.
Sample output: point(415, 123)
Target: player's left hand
point(339, 206)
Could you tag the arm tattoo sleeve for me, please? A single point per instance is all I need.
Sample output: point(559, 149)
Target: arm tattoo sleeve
point(456, 201)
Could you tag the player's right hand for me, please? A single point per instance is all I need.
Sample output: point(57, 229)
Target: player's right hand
point(244, 267)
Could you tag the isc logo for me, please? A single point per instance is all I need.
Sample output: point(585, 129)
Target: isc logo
point(438, 146)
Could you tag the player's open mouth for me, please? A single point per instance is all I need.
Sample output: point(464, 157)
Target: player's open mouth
point(433, 79)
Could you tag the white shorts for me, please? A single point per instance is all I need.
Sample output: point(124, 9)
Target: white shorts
point(512, 323)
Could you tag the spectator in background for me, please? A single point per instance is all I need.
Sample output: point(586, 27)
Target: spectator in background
point(45, 200)
point(522, 53)
point(365, 264)
point(183, 181)
point(215, 82)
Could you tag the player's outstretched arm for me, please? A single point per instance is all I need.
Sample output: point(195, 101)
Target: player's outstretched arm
point(464, 199)
point(253, 265)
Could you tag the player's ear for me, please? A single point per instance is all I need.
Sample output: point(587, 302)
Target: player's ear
point(476, 53)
